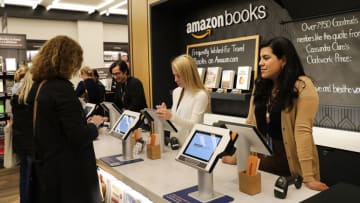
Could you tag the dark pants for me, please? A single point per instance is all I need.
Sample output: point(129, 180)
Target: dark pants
point(26, 163)
point(277, 163)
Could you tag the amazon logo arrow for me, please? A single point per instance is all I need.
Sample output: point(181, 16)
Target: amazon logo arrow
point(202, 36)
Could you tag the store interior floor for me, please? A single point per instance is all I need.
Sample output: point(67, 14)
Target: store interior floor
point(9, 185)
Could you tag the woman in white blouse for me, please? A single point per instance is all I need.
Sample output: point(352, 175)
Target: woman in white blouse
point(190, 98)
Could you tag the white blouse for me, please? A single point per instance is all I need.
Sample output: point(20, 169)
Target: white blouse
point(189, 111)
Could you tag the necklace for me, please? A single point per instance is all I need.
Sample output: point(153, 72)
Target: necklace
point(268, 110)
point(269, 105)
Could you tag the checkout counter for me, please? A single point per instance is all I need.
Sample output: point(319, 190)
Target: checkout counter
point(155, 178)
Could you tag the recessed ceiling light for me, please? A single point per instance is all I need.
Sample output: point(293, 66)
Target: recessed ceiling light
point(29, 3)
point(104, 6)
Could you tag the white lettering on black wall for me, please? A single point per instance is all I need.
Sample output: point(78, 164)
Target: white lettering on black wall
point(228, 18)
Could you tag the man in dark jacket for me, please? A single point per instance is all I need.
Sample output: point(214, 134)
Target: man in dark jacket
point(129, 92)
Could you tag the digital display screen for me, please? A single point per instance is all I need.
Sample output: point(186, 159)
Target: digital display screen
point(87, 110)
point(124, 124)
point(202, 145)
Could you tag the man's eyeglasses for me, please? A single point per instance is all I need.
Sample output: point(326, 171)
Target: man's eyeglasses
point(116, 74)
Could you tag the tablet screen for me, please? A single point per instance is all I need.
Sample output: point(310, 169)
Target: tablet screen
point(88, 110)
point(202, 145)
point(123, 126)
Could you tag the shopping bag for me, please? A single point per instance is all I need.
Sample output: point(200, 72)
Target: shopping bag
point(10, 158)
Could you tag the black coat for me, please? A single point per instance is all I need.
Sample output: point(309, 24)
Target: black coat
point(66, 170)
point(130, 95)
point(22, 127)
point(101, 90)
point(92, 88)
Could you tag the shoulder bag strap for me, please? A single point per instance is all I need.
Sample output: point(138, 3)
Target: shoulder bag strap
point(36, 103)
point(180, 98)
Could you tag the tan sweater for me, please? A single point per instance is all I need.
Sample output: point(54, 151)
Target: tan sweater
point(297, 135)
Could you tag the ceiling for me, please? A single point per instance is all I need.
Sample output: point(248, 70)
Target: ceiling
point(104, 7)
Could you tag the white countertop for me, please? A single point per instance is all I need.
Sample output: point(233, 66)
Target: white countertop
point(334, 138)
point(155, 178)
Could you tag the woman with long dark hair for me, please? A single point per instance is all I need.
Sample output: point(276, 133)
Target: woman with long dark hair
point(283, 107)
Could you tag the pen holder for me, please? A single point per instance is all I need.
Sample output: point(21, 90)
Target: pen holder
point(250, 185)
point(153, 151)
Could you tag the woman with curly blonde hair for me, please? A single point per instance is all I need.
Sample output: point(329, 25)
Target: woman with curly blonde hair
point(22, 136)
point(63, 137)
point(18, 76)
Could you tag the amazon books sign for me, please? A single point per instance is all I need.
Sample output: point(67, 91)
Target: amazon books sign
point(201, 28)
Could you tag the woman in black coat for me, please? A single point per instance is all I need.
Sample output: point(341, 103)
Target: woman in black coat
point(22, 132)
point(65, 166)
point(87, 88)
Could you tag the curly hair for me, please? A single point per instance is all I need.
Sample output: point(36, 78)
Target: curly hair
point(281, 47)
point(59, 57)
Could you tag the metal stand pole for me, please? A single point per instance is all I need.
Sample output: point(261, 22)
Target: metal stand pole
point(205, 191)
point(126, 148)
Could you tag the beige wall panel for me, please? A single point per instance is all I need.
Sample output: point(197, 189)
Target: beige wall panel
point(45, 29)
point(42, 29)
point(116, 33)
point(139, 44)
point(91, 40)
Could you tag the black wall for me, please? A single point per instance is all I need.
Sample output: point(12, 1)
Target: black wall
point(169, 39)
point(309, 8)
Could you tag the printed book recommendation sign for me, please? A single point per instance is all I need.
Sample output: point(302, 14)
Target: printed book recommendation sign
point(228, 54)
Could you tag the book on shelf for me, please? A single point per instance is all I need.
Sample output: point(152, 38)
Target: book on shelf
point(1, 86)
point(111, 55)
point(9, 83)
point(227, 79)
point(10, 64)
point(2, 109)
point(2, 67)
point(107, 64)
point(130, 197)
point(212, 78)
point(201, 72)
point(30, 54)
point(2, 147)
point(117, 192)
point(243, 78)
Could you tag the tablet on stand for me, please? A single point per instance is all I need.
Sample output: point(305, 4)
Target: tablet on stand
point(249, 140)
point(201, 151)
point(160, 125)
point(122, 129)
point(113, 110)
